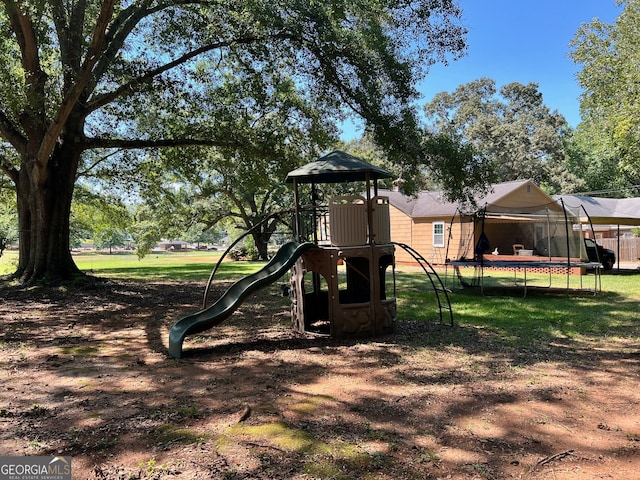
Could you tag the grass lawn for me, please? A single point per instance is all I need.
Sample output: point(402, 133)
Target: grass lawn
point(521, 321)
point(540, 317)
point(8, 261)
point(191, 266)
point(510, 315)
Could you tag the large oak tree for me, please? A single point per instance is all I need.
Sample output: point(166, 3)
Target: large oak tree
point(510, 128)
point(609, 57)
point(80, 75)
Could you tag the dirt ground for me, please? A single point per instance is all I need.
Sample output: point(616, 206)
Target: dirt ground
point(85, 373)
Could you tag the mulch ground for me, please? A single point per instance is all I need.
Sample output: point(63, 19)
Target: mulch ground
point(85, 373)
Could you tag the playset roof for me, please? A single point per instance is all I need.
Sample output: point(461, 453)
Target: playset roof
point(337, 167)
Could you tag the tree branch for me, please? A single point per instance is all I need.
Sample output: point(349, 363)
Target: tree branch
point(22, 27)
point(86, 171)
point(126, 21)
point(62, 30)
point(9, 169)
point(134, 84)
point(212, 222)
point(11, 134)
point(70, 35)
point(132, 144)
point(121, 28)
point(242, 214)
point(265, 201)
point(72, 96)
point(25, 35)
point(346, 93)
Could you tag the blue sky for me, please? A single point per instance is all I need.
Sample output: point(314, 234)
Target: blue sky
point(520, 41)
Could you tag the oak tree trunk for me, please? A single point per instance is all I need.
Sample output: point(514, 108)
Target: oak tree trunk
point(261, 237)
point(261, 240)
point(44, 205)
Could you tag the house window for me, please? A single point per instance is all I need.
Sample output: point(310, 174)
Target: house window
point(438, 234)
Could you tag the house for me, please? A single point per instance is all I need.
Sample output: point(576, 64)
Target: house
point(514, 216)
point(173, 245)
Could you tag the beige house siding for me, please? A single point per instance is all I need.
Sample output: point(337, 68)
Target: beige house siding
point(462, 240)
point(418, 233)
point(423, 239)
point(458, 239)
point(527, 195)
point(401, 228)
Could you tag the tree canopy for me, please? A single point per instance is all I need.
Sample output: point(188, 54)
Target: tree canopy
point(609, 56)
point(121, 75)
point(511, 130)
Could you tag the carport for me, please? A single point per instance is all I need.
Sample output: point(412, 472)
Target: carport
point(606, 211)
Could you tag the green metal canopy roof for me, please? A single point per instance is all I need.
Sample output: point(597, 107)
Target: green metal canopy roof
point(337, 167)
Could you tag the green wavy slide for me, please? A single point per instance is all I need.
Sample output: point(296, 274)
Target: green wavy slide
point(233, 297)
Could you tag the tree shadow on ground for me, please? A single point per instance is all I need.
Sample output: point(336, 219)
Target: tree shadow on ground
point(486, 398)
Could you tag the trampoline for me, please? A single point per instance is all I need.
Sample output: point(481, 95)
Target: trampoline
point(542, 239)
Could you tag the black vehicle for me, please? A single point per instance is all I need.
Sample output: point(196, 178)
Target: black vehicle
point(598, 253)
